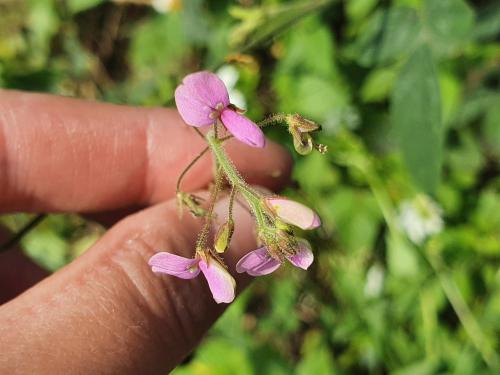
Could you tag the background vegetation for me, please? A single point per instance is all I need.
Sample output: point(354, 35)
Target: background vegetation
point(406, 278)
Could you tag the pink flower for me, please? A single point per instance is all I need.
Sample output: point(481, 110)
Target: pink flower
point(259, 262)
point(220, 282)
point(293, 213)
point(202, 99)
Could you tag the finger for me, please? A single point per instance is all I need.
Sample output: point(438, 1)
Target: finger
point(17, 271)
point(61, 154)
point(108, 313)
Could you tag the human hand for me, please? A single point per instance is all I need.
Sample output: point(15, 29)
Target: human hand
point(107, 312)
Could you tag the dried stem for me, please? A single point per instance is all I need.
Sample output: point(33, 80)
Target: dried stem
point(188, 167)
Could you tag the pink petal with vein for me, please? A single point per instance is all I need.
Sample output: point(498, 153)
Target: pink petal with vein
point(197, 97)
point(257, 263)
point(243, 129)
point(304, 257)
point(220, 282)
point(175, 265)
point(294, 213)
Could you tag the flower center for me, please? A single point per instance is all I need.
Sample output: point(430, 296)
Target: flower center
point(217, 111)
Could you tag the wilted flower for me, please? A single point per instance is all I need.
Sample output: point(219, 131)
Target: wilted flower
point(300, 127)
point(202, 99)
point(420, 218)
point(260, 262)
point(302, 124)
point(220, 282)
point(293, 213)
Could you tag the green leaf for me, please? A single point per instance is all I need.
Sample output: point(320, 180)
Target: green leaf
point(416, 117)
point(388, 35)
point(76, 6)
point(449, 23)
point(358, 9)
point(488, 22)
point(378, 85)
point(218, 356)
point(316, 356)
point(261, 24)
point(357, 229)
point(491, 128)
point(402, 259)
point(158, 45)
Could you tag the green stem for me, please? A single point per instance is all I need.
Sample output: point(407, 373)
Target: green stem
point(381, 196)
point(231, 204)
point(465, 315)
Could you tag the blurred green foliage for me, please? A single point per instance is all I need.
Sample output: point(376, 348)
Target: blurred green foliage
point(408, 95)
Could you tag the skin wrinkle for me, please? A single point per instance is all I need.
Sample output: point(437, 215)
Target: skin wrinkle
point(144, 152)
point(164, 311)
point(179, 298)
point(74, 153)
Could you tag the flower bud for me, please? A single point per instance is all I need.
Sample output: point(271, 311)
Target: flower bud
point(223, 236)
point(293, 213)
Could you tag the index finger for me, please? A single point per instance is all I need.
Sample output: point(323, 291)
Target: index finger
point(61, 154)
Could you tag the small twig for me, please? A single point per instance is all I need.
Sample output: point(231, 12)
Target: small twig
point(188, 167)
point(17, 237)
point(198, 132)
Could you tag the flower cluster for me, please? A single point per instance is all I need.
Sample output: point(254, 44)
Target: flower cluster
point(203, 101)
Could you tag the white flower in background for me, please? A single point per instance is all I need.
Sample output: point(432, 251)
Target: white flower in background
point(230, 75)
point(161, 6)
point(420, 218)
point(164, 6)
point(374, 281)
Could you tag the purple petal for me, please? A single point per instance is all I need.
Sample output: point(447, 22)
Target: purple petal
point(197, 97)
point(243, 129)
point(257, 263)
point(294, 213)
point(220, 282)
point(171, 264)
point(304, 257)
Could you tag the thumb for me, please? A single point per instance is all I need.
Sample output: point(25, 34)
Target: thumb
point(108, 313)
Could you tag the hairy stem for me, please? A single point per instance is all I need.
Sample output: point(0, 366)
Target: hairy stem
point(234, 178)
point(202, 239)
point(273, 119)
point(231, 204)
